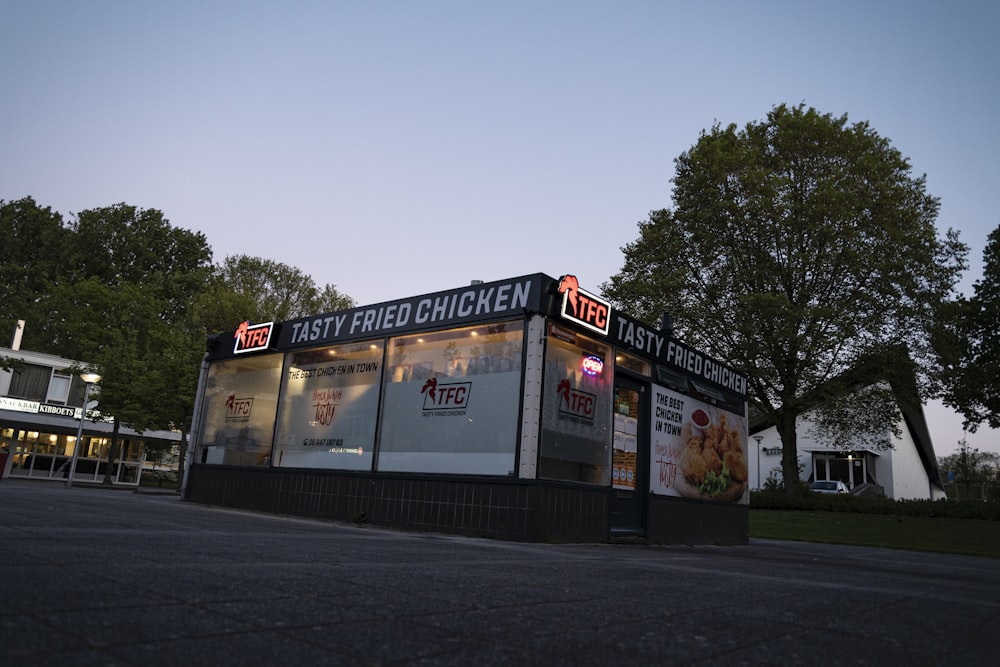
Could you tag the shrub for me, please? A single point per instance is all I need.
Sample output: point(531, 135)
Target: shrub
point(776, 499)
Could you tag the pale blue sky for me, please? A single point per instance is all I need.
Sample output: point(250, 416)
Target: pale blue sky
point(397, 148)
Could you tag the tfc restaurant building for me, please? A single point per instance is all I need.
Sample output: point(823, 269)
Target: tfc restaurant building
point(522, 409)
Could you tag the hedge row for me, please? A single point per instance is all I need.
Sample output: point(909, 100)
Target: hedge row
point(818, 502)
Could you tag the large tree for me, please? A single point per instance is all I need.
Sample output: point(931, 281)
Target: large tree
point(797, 248)
point(972, 352)
point(125, 307)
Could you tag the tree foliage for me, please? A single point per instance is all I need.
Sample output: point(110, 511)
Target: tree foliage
point(32, 263)
point(270, 290)
point(136, 298)
point(971, 347)
point(969, 465)
point(797, 248)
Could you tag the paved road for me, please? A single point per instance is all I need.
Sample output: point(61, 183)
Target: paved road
point(95, 577)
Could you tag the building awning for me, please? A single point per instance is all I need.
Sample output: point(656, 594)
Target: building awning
point(31, 421)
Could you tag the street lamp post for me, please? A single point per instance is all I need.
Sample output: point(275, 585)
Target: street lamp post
point(758, 438)
point(88, 379)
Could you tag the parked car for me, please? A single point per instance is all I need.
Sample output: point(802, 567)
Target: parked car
point(829, 486)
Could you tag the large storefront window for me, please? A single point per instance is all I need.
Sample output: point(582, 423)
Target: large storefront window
point(238, 417)
point(451, 401)
point(576, 409)
point(329, 407)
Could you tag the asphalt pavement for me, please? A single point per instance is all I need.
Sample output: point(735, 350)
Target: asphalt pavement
point(96, 577)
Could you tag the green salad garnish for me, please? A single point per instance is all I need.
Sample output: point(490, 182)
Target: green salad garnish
point(714, 483)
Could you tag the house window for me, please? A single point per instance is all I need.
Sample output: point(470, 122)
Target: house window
point(58, 389)
point(30, 382)
point(850, 468)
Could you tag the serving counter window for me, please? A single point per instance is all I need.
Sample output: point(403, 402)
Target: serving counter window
point(329, 407)
point(241, 396)
point(576, 409)
point(451, 401)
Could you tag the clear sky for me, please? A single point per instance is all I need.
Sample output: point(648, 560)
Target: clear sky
point(394, 148)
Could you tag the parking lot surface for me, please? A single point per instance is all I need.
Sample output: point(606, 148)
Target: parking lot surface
point(98, 577)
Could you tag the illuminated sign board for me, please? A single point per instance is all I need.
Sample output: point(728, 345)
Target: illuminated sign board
point(592, 365)
point(584, 308)
point(250, 338)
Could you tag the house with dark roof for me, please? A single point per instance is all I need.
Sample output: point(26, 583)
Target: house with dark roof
point(906, 470)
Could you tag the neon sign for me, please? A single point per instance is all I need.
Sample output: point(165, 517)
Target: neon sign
point(582, 307)
point(250, 338)
point(592, 365)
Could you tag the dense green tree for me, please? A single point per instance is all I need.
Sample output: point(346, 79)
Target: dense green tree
point(971, 353)
point(275, 291)
point(125, 307)
point(32, 261)
point(117, 247)
point(135, 297)
point(797, 247)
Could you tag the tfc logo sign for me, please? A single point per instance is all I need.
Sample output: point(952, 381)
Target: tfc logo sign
point(576, 403)
point(238, 408)
point(450, 396)
point(251, 338)
point(583, 307)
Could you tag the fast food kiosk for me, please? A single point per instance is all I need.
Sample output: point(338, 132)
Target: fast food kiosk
point(523, 409)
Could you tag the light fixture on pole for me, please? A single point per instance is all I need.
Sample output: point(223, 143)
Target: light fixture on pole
point(758, 438)
point(88, 379)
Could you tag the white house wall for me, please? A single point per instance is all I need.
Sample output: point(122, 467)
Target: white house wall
point(909, 479)
point(769, 463)
point(899, 471)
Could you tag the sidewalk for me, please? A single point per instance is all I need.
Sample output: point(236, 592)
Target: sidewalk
point(93, 578)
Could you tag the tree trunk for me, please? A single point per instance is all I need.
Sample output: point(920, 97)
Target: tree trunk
point(789, 454)
point(111, 454)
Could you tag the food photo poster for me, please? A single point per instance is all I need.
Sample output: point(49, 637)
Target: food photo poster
point(698, 450)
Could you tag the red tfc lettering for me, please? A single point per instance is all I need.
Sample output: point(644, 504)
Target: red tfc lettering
point(592, 312)
point(581, 404)
point(241, 408)
point(256, 337)
point(452, 395)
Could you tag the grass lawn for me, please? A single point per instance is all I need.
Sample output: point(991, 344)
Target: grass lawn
point(957, 536)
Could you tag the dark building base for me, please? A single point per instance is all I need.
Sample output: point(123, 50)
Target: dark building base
point(505, 509)
point(681, 521)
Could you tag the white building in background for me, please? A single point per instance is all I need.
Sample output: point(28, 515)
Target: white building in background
point(41, 400)
point(908, 471)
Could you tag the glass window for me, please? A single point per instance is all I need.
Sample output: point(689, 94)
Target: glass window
point(632, 363)
point(30, 381)
point(576, 409)
point(329, 407)
point(452, 400)
point(238, 417)
point(58, 389)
